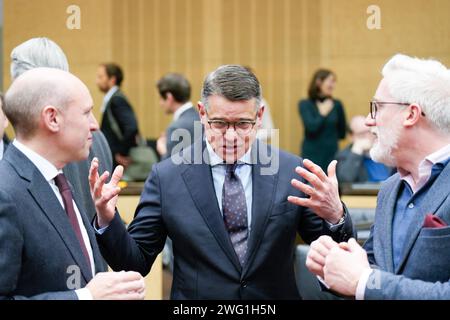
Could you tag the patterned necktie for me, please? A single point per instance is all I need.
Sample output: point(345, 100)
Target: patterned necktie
point(234, 209)
point(66, 194)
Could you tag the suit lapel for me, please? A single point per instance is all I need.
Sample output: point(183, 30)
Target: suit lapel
point(262, 195)
point(436, 195)
point(45, 198)
point(384, 236)
point(199, 183)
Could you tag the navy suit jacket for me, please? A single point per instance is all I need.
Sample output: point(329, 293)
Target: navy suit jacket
point(179, 201)
point(40, 257)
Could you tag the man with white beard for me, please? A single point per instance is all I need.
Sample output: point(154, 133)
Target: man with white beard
point(407, 255)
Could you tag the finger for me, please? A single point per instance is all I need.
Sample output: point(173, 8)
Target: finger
point(109, 194)
point(130, 286)
point(317, 257)
point(93, 173)
point(320, 248)
point(304, 202)
point(332, 170)
point(117, 175)
point(328, 242)
point(98, 186)
point(314, 267)
point(303, 187)
point(128, 275)
point(314, 168)
point(310, 177)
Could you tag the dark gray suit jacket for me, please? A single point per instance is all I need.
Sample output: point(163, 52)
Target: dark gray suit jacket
point(39, 250)
point(179, 201)
point(186, 121)
point(424, 271)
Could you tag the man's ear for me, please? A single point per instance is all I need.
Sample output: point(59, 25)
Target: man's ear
point(201, 111)
point(413, 115)
point(259, 116)
point(51, 118)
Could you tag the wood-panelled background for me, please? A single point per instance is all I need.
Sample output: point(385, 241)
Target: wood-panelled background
point(284, 41)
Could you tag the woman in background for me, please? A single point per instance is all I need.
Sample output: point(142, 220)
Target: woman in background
point(323, 119)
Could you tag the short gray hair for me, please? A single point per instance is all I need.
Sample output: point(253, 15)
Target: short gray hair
point(35, 53)
point(422, 81)
point(31, 92)
point(234, 83)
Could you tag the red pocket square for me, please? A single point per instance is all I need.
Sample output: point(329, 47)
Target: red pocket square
point(431, 221)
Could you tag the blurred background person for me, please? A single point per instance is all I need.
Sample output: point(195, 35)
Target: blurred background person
point(3, 124)
point(174, 94)
point(43, 52)
point(323, 120)
point(354, 162)
point(119, 124)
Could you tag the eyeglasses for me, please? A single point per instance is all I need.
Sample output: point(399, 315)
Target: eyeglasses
point(374, 107)
point(241, 127)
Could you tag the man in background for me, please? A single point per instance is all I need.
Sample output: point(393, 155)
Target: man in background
point(119, 124)
point(354, 162)
point(174, 94)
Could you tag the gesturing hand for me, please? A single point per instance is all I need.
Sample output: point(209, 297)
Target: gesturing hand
point(323, 192)
point(104, 194)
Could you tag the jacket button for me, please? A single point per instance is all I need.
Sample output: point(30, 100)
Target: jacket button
point(244, 284)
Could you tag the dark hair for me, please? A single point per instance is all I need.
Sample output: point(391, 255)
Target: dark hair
point(177, 85)
point(233, 82)
point(314, 87)
point(114, 70)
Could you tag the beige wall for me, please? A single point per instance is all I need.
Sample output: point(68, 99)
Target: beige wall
point(283, 40)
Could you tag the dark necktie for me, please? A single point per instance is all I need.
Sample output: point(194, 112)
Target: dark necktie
point(234, 209)
point(66, 194)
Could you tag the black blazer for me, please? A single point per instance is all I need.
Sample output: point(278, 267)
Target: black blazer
point(179, 201)
point(126, 119)
point(40, 256)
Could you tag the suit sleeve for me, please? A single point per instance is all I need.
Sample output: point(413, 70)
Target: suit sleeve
point(11, 244)
point(387, 286)
point(137, 248)
point(126, 119)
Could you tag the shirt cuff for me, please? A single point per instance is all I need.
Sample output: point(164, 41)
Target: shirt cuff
point(101, 230)
point(334, 227)
point(84, 294)
point(323, 282)
point(361, 288)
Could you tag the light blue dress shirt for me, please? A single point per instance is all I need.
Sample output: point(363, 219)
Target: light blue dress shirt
point(243, 171)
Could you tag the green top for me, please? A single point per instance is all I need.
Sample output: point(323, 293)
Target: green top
point(321, 133)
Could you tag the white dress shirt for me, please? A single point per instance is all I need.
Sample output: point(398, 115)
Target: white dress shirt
point(180, 110)
point(49, 171)
point(107, 97)
point(2, 148)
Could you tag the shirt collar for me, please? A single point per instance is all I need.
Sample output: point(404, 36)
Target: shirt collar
point(108, 96)
point(181, 109)
point(425, 167)
point(45, 167)
point(2, 148)
point(215, 160)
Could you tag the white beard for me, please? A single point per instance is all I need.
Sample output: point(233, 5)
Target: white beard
point(385, 144)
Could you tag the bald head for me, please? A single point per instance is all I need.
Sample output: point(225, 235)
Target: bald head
point(36, 89)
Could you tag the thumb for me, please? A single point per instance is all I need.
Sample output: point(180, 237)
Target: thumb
point(353, 245)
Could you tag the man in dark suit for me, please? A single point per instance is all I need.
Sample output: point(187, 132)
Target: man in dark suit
point(407, 253)
point(174, 94)
point(224, 203)
point(47, 248)
point(119, 124)
point(45, 53)
point(4, 141)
